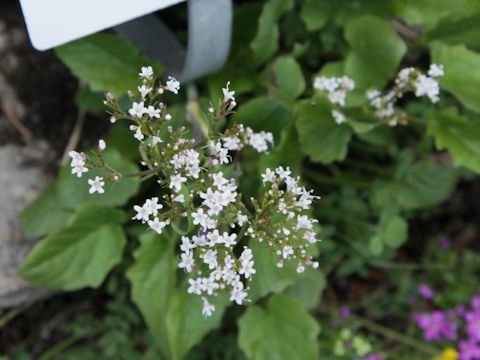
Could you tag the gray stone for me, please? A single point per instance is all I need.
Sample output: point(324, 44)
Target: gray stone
point(22, 178)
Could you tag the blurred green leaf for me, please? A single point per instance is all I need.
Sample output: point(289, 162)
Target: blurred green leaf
point(320, 137)
point(428, 13)
point(315, 14)
point(89, 100)
point(376, 51)
point(185, 323)
point(45, 215)
point(287, 80)
point(82, 254)
point(283, 330)
point(462, 72)
point(417, 186)
point(308, 288)
point(174, 316)
point(152, 276)
point(456, 30)
point(458, 135)
point(282, 154)
point(105, 62)
point(265, 43)
point(263, 113)
point(392, 229)
point(73, 191)
point(272, 279)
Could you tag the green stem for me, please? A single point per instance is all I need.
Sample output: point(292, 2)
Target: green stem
point(335, 181)
point(385, 332)
point(406, 266)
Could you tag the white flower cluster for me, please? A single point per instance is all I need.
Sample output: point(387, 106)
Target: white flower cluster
point(407, 80)
point(292, 231)
point(198, 192)
point(337, 89)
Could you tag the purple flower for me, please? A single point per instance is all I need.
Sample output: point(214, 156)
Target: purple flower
point(345, 311)
point(445, 243)
point(436, 326)
point(473, 325)
point(468, 350)
point(426, 292)
point(460, 310)
point(475, 302)
point(373, 357)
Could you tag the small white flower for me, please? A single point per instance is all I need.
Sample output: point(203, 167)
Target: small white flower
point(144, 90)
point(179, 198)
point(238, 295)
point(228, 95)
point(102, 145)
point(435, 70)
point(338, 117)
point(287, 251)
point(157, 225)
point(186, 263)
point(143, 213)
point(208, 308)
point(268, 176)
point(96, 185)
point(427, 86)
point(200, 218)
point(172, 85)
point(79, 170)
point(168, 117)
point(137, 109)
point(152, 112)
point(146, 72)
point(156, 140)
point(229, 240)
point(138, 134)
point(241, 219)
point(176, 182)
point(195, 286)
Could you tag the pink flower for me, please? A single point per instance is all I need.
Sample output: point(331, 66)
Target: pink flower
point(426, 292)
point(436, 326)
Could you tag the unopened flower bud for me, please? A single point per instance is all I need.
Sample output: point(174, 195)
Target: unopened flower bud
point(101, 145)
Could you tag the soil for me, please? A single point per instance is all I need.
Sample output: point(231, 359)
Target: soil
point(43, 85)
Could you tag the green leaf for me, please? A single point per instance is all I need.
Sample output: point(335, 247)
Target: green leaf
point(308, 288)
point(265, 43)
point(320, 137)
point(283, 330)
point(282, 154)
point(457, 30)
point(174, 316)
point(458, 135)
point(287, 82)
point(423, 184)
point(45, 215)
point(153, 280)
point(185, 322)
point(462, 72)
point(269, 277)
point(263, 113)
point(82, 254)
point(72, 190)
point(89, 100)
point(315, 14)
point(428, 13)
point(392, 229)
point(105, 62)
point(376, 51)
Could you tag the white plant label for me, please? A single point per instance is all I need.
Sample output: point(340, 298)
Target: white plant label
point(55, 22)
